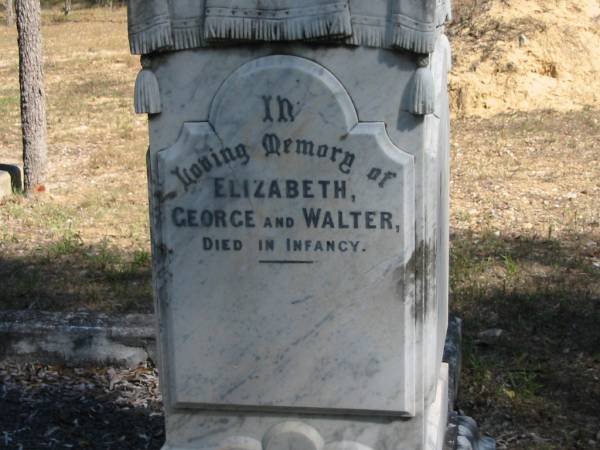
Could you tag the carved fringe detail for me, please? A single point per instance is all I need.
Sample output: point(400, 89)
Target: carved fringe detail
point(186, 38)
point(155, 25)
point(147, 93)
point(152, 39)
point(401, 37)
point(421, 90)
point(245, 28)
point(415, 41)
point(164, 36)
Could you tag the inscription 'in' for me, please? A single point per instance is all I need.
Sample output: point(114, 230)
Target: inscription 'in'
point(285, 109)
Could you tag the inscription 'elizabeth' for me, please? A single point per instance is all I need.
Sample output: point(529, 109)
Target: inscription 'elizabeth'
point(288, 189)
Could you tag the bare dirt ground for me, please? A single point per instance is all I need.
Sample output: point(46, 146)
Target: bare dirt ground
point(526, 218)
point(525, 203)
point(525, 55)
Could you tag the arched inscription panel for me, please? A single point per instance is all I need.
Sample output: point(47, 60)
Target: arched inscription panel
point(288, 235)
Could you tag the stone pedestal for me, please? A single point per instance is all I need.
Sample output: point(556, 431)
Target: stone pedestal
point(299, 212)
point(299, 220)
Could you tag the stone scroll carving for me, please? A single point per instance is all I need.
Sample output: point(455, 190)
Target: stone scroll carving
point(469, 437)
point(289, 435)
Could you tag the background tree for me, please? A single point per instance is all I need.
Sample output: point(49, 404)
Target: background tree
point(33, 102)
point(67, 8)
point(10, 15)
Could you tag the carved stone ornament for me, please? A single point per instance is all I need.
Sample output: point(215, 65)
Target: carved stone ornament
point(469, 437)
point(147, 92)
point(156, 25)
point(181, 24)
point(289, 435)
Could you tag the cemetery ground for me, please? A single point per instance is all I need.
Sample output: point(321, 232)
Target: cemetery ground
point(525, 258)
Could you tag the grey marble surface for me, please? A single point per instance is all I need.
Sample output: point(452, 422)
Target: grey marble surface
point(298, 248)
point(345, 341)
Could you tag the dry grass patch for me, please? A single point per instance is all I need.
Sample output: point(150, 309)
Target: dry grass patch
point(526, 259)
point(96, 202)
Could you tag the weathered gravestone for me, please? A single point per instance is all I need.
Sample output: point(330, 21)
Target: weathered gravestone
point(298, 178)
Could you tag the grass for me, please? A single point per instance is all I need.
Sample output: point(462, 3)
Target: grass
point(542, 374)
point(68, 274)
point(525, 253)
point(85, 244)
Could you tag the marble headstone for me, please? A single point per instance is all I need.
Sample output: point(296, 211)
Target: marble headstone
point(299, 226)
point(288, 228)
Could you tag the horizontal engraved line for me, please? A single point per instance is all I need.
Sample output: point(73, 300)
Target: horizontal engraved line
point(283, 261)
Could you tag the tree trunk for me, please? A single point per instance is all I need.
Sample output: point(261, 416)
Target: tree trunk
point(67, 7)
point(33, 101)
point(10, 15)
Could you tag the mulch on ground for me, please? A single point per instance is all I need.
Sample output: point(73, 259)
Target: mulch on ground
point(46, 407)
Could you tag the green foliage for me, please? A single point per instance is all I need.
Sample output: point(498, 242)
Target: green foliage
point(511, 266)
point(141, 258)
point(69, 244)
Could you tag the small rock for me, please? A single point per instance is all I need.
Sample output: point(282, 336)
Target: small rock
point(522, 40)
point(537, 439)
point(490, 336)
point(51, 431)
point(113, 378)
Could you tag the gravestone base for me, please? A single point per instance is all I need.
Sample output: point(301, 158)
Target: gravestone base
point(445, 425)
point(230, 430)
point(5, 184)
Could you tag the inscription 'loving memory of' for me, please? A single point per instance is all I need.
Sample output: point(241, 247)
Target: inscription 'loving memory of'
point(343, 224)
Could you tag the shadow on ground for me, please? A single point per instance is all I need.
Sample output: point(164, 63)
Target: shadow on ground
point(537, 385)
point(68, 275)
